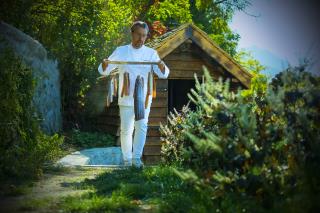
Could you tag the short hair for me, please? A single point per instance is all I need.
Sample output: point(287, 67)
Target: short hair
point(139, 24)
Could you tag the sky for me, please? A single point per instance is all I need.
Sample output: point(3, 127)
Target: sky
point(284, 31)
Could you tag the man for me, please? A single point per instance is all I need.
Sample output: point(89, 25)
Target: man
point(135, 51)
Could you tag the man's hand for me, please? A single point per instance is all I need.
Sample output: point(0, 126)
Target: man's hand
point(105, 63)
point(161, 66)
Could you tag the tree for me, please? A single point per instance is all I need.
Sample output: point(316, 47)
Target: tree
point(213, 17)
point(259, 81)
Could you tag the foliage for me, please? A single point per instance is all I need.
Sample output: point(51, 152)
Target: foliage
point(256, 150)
point(247, 61)
point(82, 139)
point(23, 148)
point(258, 81)
point(170, 12)
point(213, 17)
point(171, 150)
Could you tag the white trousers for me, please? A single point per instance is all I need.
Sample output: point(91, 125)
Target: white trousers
point(128, 124)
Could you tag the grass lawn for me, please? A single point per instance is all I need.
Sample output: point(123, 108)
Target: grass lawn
point(152, 189)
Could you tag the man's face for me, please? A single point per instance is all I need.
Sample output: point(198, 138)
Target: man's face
point(138, 37)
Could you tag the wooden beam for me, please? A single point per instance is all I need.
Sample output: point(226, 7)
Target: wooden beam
point(182, 57)
point(152, 141)
point(172, 42)
point(157, 112)
point(159, 102)
point(186, 65)
point(223, 58)
point(151, 159)
point(152, 150)
point(153, 131)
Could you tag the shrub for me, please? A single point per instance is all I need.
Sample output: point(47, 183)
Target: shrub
point(23, 147)
point(251, 148)
point(171, 150)
point(82, 139)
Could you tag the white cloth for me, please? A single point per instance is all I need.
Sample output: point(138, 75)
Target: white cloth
point(128, 124)
point(129, 53)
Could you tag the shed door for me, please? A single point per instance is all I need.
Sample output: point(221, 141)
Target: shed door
point(177, 93)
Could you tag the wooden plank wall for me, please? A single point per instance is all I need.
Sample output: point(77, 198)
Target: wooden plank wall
point(158, 113)
point(108, 120)
point(183, 62)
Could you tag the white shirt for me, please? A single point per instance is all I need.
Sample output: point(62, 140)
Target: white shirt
point(129, 53)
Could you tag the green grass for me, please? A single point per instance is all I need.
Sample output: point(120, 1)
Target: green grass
point(35, 204)
point(153, 188)
point(94, 203)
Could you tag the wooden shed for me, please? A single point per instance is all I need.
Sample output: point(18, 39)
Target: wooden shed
point(185, 50)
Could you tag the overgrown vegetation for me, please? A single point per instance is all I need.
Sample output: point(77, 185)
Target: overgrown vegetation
point(255, 151)
point(82, 140)
point(24, 148)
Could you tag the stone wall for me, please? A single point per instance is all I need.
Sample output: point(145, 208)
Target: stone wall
point(47, 98)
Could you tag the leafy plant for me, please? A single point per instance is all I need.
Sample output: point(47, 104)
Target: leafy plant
point(253, 147)
point(82, 139)
point(24, 148)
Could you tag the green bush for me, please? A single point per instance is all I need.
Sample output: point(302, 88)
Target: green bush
point(23, 148)
point(81, 139)
point(251, 152)
point(174, 136)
